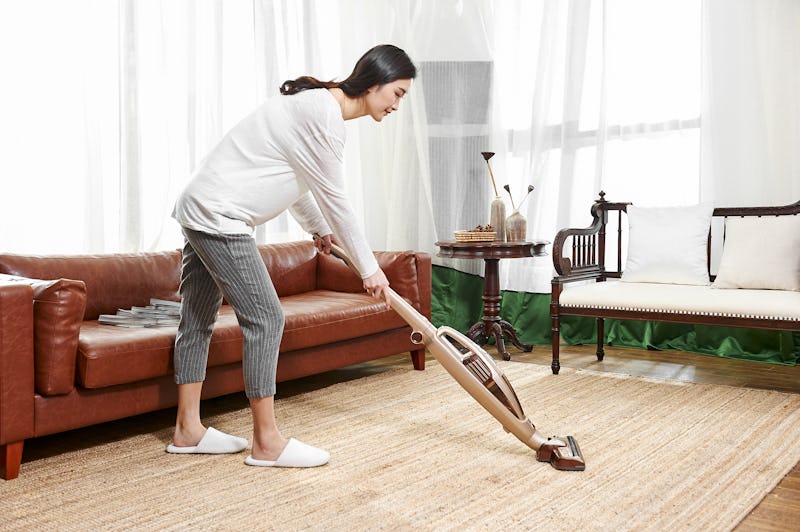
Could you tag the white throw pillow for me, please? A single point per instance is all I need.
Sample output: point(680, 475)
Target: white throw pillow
point(668, 244)
point(760, 253)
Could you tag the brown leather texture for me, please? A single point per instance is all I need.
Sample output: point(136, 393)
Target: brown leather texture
point(424, 273)
point(400, 268)
point(325, 316)
point(16, 362)
point(326, 357)
point(113, 281)
point(108, 356)
point(58, 307)
point(82, 407)
point(118, 372)
point(292, 266)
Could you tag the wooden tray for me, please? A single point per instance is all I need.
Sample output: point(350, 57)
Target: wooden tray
point(475, 236)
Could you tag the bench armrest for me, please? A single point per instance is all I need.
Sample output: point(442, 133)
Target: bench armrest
point(580, 253)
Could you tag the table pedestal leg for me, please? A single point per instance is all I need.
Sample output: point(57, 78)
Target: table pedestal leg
point(491, 324)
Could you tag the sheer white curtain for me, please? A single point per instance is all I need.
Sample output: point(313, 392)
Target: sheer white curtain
point(108, 106)
point(751, 101)
point(608, 98)
point(47, 188)
point(572, 96)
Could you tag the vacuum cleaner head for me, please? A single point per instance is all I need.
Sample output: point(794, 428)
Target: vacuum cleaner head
point(563, 453)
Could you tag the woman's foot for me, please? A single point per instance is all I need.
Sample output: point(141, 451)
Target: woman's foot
point(212, 442)
point(188, 434)
point(294, 454)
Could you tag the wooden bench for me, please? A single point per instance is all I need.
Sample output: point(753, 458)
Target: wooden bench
point(589, 285)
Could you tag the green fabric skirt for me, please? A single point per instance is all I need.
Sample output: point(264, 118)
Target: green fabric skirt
point(456, 301)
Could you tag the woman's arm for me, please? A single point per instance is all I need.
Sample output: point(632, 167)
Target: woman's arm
point(318, 162)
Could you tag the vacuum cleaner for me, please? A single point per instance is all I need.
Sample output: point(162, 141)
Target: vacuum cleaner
point(476, 372)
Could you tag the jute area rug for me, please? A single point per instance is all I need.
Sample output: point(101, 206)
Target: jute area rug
point(412, 451)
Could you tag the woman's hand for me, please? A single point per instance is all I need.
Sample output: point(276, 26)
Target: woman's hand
point(376, 285)
point(323, 243)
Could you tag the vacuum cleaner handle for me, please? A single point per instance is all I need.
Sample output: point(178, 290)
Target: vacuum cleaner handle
point(469, 364)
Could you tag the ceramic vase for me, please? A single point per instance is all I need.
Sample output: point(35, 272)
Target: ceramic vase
point(516, 227)
point(498, 219)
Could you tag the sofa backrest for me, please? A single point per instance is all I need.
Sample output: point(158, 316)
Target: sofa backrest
point(292, 266)
point(113, 281)
point(121, 281)
point(408, 273)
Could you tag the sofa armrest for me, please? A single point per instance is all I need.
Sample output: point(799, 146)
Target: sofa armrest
point(58, 308)
point(424, 272)
point(16, 362)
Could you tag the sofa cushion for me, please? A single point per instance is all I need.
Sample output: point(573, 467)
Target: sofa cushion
point(109, 355)
point(113, 281)
point(58, 307)
point(324, 316)
point(683, 299)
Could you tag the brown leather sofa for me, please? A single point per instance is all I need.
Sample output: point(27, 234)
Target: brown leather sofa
point(60, 369)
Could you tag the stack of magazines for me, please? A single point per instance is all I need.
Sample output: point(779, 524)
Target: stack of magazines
point(159, 313)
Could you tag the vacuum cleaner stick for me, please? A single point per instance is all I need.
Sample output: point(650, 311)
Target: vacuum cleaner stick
point(476, 372)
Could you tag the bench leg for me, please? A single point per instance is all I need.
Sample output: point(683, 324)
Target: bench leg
point(555, 340)
point(418, 359)
point(11, 454)
point(601, 338)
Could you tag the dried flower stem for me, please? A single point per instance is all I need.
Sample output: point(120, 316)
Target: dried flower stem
point(508, 189)
point(488, 155)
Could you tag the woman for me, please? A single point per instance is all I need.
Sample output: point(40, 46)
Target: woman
point(286, 154)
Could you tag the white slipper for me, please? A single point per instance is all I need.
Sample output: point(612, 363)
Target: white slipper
point(295, 454)
point(212, 442)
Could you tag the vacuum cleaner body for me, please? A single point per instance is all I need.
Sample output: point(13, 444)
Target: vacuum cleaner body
point(476, 372)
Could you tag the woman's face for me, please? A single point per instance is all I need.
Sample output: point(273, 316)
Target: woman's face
point(383, 99)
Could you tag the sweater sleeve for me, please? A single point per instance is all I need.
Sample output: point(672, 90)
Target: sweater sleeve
point(319, 162)
point(307, 214)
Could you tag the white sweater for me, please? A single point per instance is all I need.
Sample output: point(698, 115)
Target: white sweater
point(286, 154)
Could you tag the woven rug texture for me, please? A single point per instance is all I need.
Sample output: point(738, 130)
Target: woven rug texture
point(413, 451)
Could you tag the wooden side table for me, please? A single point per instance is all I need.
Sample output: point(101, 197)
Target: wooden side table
point(491, 253)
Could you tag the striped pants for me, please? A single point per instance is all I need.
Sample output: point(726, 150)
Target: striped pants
point(231, 266)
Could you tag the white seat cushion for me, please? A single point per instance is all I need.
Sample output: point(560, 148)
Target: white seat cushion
point(682, 299)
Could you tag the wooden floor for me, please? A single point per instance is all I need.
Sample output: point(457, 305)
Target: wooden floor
point(779, 511)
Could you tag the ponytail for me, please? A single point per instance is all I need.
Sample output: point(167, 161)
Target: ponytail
point(293, 86)
point(380, 65)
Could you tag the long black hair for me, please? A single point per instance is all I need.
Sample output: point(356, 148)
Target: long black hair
point(378, 66)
